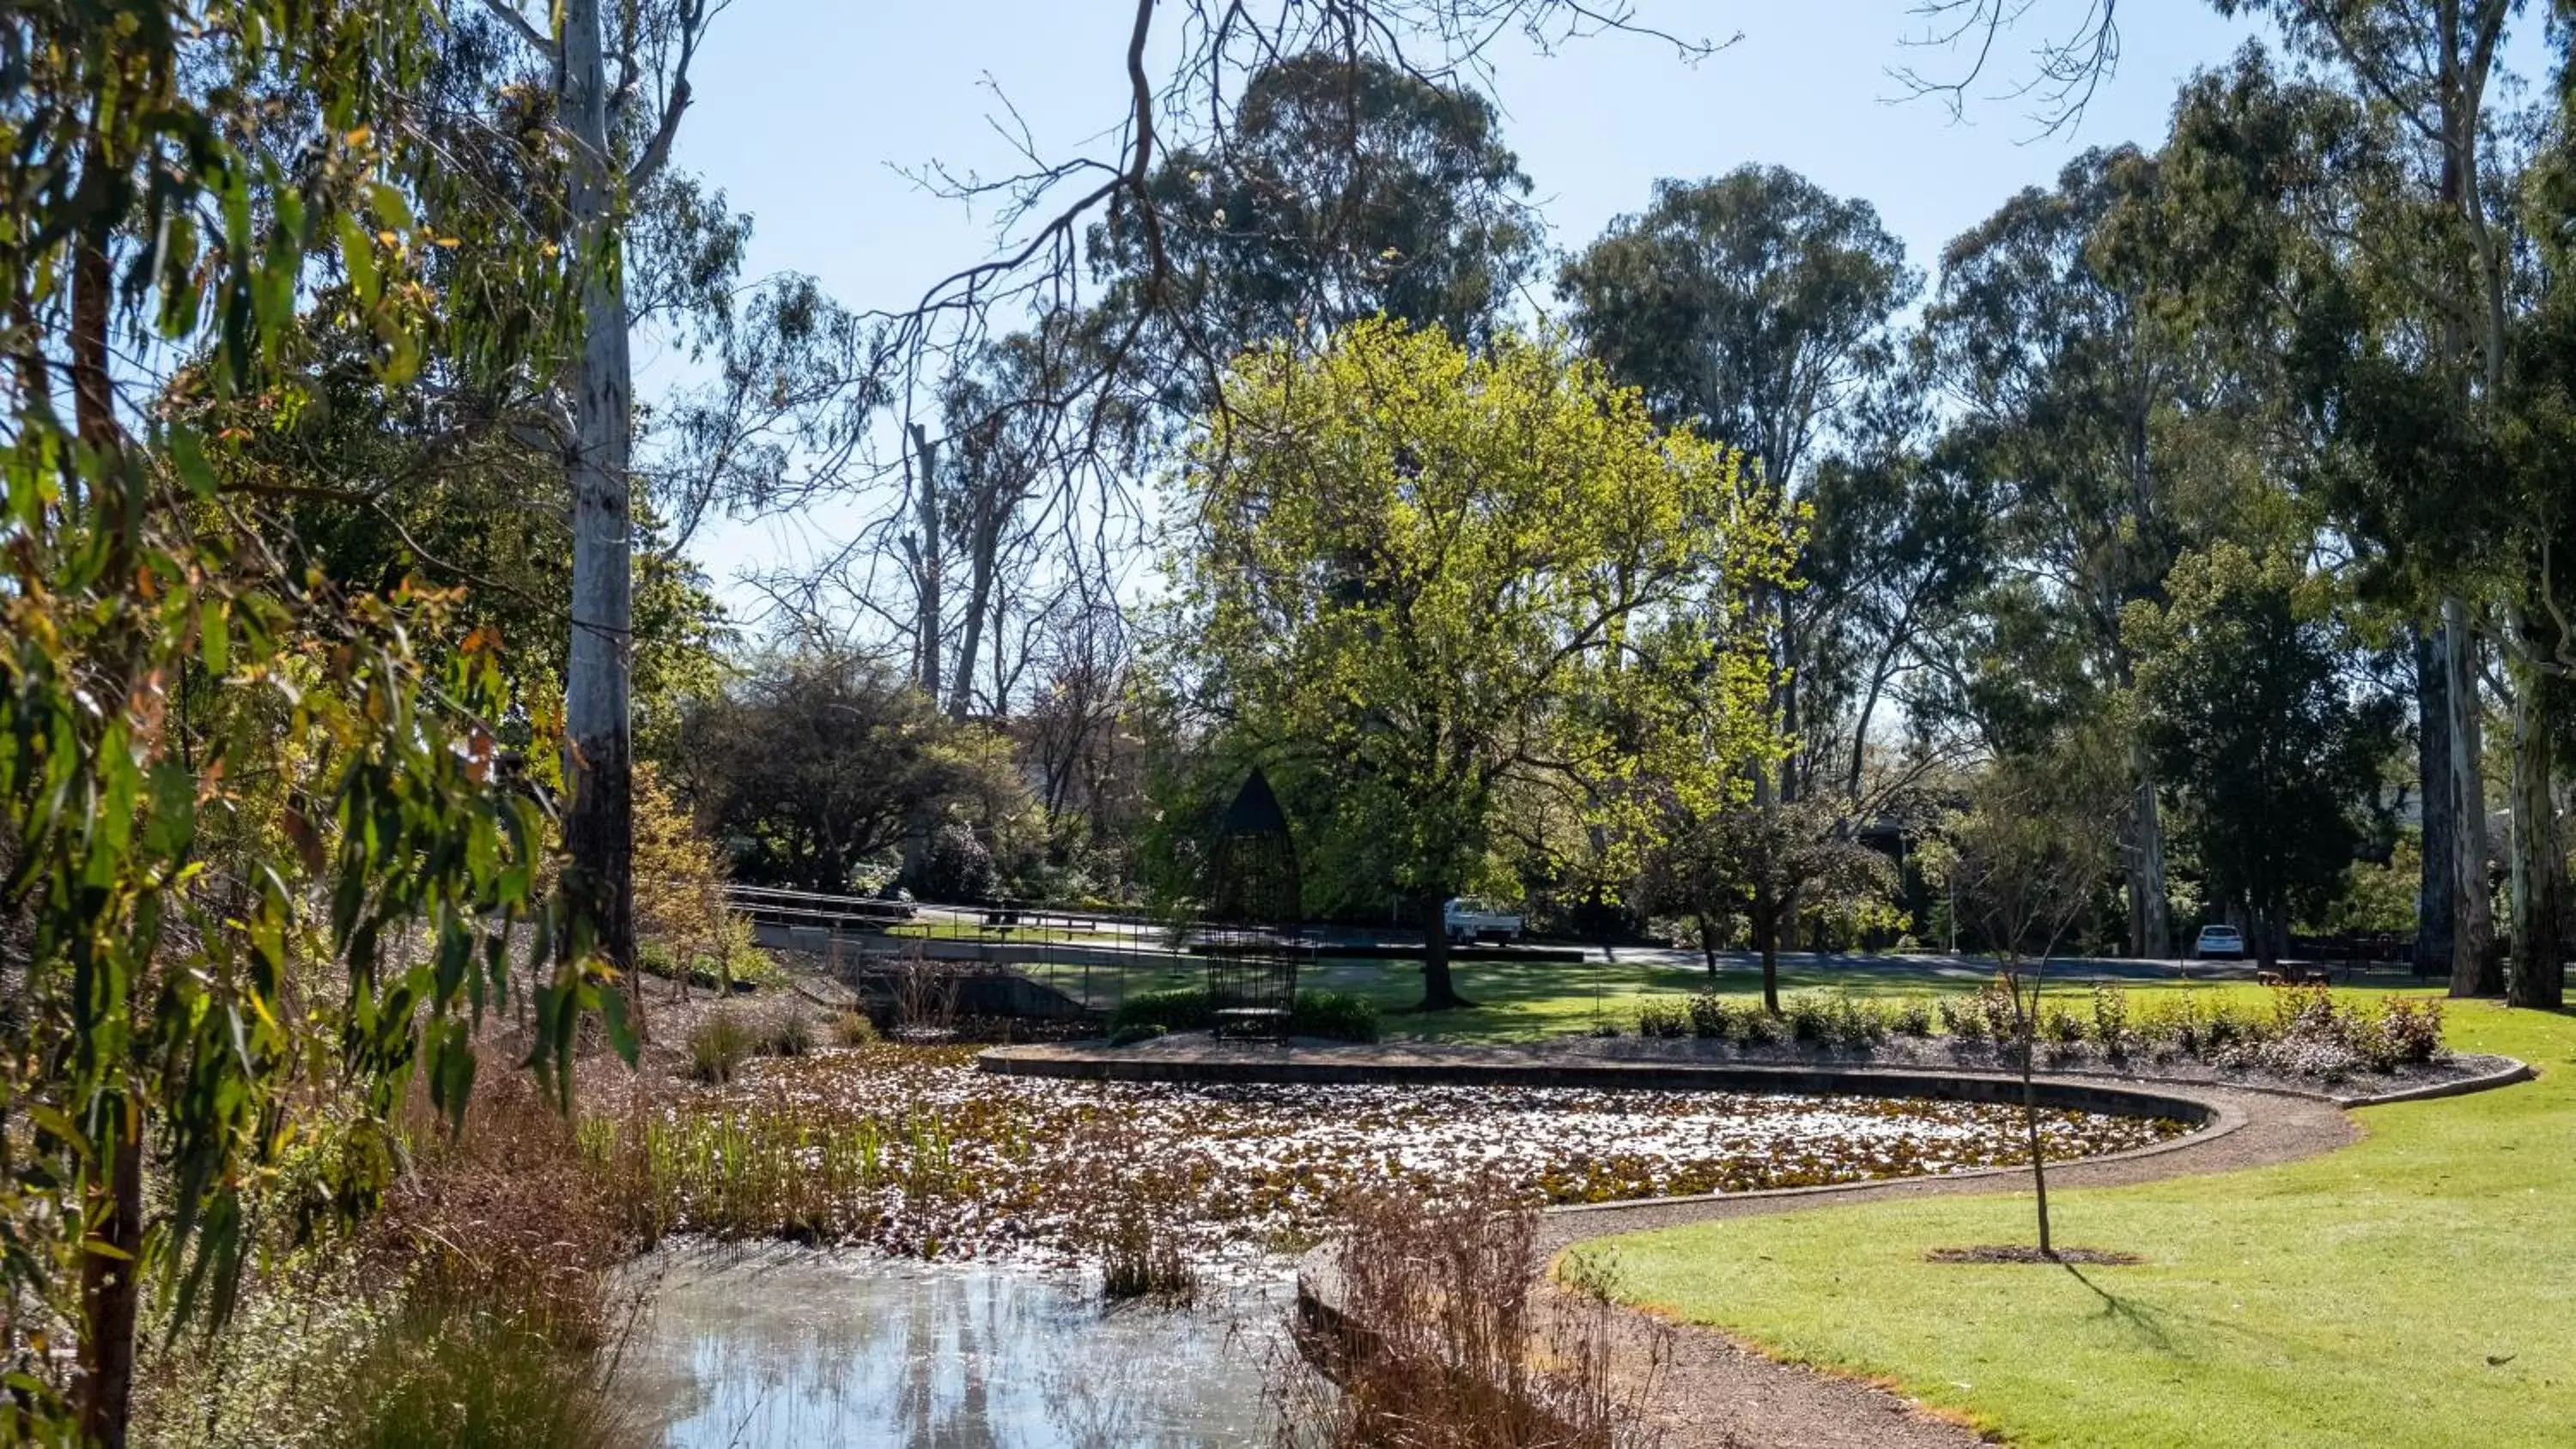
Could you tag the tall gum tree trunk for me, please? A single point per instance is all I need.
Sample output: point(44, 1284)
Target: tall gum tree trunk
point(2539, 977)
point(599, 824)
point(927, 564)
point(979, 593)
point(2474, 968)
point(2436, 895)
point(2150, 912)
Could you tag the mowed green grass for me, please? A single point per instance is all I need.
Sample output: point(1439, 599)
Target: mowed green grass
point(1523, 1002)
point(2416, 1288)
point(1529, 1001)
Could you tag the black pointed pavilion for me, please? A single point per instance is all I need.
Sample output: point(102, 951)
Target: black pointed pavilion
point(1253, 938)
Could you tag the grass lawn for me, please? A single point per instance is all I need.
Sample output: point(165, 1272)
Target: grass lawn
point(1525, 1001)
point(2417, 1288)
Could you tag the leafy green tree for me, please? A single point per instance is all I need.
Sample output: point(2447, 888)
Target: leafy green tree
point(178, 1005)
point(2081, 405)
point(2251, 719)
point(1763, 864)
point(1451, 584)
point(813, 766)
point(1759, 310)
point(2361, 210)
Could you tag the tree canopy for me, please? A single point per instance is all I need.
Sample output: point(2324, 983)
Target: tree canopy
point(1456, 590)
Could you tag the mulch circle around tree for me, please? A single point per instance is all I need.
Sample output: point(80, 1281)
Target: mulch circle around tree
point(2022, 1253)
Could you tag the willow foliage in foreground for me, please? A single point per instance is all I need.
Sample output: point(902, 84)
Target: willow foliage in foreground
point(181, 1005)
point(1478, 602)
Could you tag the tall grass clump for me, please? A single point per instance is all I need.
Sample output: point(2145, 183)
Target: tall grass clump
point(719, 1044)
point(477, 1308)
point(1445, 1335)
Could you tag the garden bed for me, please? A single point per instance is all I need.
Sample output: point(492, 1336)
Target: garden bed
point(2299, 1039)
point(2350, 1086)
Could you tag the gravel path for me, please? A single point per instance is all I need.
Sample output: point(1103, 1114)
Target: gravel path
point(1714, 1391)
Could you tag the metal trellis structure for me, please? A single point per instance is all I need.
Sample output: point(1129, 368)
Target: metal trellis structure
point(1252, 936)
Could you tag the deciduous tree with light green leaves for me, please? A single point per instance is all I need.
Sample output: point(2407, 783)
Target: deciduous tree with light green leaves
point(1477, 595)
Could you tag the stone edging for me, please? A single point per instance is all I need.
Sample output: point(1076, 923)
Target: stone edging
point(2125, 1098)
point(2503, 1076)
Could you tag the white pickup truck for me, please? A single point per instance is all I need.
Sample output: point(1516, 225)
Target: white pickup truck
point(1468, 919)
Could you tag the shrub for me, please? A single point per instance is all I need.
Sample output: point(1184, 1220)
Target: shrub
point(1334, 1015)
point(1811, 1017)
point(2060, 1027)
point(1181, 1009)
point(1857, 1024)
point(1994, 1002)
point(2410, 1031)
point(1912, 1017)
point(855, 1028)
point(719, 1045)
point(1712, 1019)
point(1127, 1036)
point(2111, 1019)
point(1962, 1021)
point(956, 866)
point(1760, 1028)
point(785, 1032)
point(1663, 1019)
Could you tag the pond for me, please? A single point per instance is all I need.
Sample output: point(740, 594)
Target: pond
point(776, 1347)
point(917, 1154)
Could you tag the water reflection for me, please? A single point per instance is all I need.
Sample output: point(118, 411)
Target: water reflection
point(784, 1347)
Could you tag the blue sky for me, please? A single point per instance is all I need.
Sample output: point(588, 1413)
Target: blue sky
point(807, 108)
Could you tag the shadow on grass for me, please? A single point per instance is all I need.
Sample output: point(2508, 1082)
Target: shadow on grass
point(2141, 1320)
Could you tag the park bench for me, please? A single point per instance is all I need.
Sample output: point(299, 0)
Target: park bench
point(1251, 1021)
point(2297, 976)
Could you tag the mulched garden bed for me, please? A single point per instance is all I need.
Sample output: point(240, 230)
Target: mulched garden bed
point(2025, 1253)
point(2081, 1059)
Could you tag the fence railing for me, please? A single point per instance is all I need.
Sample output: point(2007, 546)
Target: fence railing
point(1081, 960)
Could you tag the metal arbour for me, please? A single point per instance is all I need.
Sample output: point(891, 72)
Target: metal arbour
point(1252, 935)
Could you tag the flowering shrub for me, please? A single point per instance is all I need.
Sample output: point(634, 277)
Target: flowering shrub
point(2410, 1031)
point(2300, 1031)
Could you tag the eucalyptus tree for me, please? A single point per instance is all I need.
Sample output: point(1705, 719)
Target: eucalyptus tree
point(615, 81)
point(2427, 311)
point(199, 741)
point(1451, 586)
point(1758, 309)
point(2325, 231)
point(1344, 188)
point(2250, 715)
point(2070, 384)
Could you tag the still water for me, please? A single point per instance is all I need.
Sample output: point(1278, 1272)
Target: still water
point(777, 1347)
